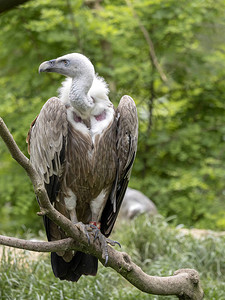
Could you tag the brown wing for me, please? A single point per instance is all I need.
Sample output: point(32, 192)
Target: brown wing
point(46, 143)
point(127, 135)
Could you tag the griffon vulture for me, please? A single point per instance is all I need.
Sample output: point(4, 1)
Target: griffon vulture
point(83, 149)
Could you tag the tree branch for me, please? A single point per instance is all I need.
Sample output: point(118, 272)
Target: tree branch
point(185, 283)
point(65, 244)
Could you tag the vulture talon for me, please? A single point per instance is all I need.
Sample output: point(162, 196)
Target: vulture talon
point(103, 242)
point(106, 260)
point(88, 237)
point(95, 230)
point(96, 235)
point(113, 243)
point(84, 228)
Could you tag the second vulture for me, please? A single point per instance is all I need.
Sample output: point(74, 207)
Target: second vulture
point(83, 149)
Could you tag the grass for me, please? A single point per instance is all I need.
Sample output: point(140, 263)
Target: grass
point(153, 244)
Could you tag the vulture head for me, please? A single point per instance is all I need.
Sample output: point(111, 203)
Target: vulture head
point(82, 73)
point(72, 65)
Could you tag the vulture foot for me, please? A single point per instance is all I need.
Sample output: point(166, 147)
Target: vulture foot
point(103, 242)
point(90, 228)
point(85, 229)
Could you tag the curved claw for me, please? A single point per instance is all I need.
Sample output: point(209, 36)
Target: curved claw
point(113, 243)
point(102, 239)
point(82, 227)
point(118, 244)
point(96, 231)
point(106, 260)
point(88, 237)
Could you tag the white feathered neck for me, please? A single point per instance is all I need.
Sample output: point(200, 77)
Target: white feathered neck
point(98, 91)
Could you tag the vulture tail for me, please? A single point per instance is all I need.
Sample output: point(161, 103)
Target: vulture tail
point(81, 264)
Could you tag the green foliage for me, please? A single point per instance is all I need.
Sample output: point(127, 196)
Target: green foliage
point(157, 247)
point(180, 160)
point(151, 240)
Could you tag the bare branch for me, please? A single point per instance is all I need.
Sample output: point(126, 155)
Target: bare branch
point(185, 283)
point(65, 244)
point(16, 153)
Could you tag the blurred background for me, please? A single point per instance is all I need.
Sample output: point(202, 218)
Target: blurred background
point(169, 56)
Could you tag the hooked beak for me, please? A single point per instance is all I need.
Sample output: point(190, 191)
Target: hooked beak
point(47, 66)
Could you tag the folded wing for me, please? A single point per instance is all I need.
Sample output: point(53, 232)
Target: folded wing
point(46, 142)
point(127, 135)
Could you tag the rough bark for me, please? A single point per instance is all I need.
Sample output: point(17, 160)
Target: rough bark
point(185, 283)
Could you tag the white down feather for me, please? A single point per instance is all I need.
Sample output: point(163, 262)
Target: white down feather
point(99, 90)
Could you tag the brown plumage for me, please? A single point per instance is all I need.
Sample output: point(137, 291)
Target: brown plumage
point(83, 149)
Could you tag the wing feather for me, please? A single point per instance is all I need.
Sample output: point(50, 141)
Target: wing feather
point(127, 135)
point(47, 140)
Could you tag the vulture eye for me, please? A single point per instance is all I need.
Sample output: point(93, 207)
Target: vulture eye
point(66, 62)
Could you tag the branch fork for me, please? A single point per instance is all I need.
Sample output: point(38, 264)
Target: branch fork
point(185, 283)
